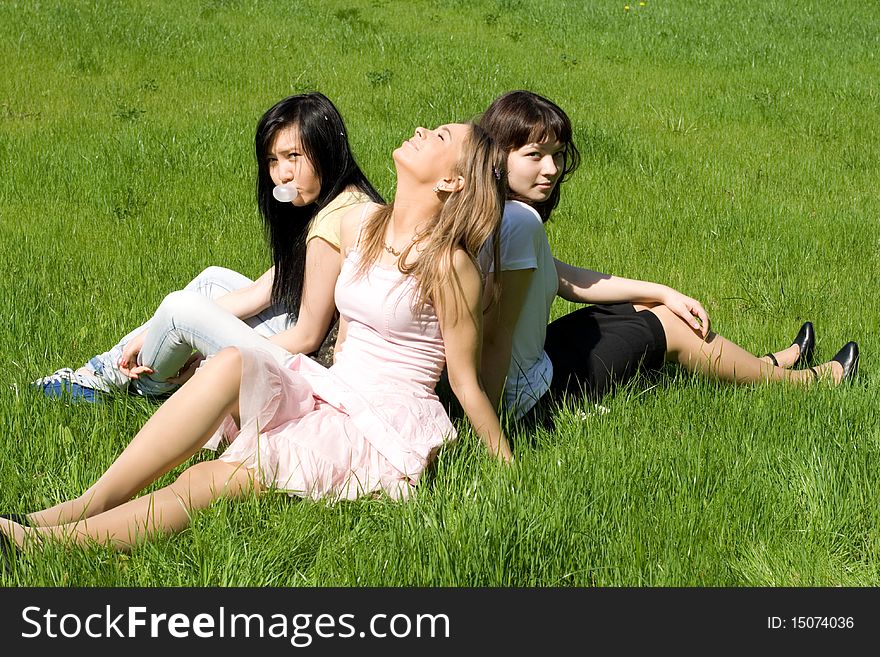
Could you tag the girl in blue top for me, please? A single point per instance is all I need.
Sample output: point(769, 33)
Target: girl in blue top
point(632, 326)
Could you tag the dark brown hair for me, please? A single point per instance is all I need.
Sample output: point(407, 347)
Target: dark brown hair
point(517, 118)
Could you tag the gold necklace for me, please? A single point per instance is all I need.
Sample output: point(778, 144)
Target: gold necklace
point(390, 249)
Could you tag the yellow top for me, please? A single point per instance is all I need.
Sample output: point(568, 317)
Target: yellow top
point(326, 223)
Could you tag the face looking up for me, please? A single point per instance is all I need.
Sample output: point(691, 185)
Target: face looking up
point(287, 162)
point(533, 170)
point(431, 156)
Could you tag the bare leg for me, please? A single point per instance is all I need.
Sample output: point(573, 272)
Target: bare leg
point(163, 512)
point(177, 430)
point(720, 358)
point(786, 357)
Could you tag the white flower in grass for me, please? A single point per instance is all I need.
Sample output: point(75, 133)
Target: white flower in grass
point(598, 409)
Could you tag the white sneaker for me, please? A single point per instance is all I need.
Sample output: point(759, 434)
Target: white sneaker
point(67, 383)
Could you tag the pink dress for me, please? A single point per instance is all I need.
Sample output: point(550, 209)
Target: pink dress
point(369, 423)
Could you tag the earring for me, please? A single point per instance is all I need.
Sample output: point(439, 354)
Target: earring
point(436, 189)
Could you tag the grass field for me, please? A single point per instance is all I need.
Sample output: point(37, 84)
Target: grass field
point(731, 150)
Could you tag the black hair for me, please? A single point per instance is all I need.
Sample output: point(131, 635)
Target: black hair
point(324, 142)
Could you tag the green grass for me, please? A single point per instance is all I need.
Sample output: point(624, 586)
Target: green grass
point(731, 150)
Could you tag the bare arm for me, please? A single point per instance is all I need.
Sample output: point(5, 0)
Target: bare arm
point(461, 320)
point(587, 286)
point(499, 324)
point(317, 307)
point(348, 229)
point(340, 336)
point(251, 299)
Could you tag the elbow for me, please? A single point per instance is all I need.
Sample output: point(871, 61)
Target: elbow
point(305, 340)
point(311, 345)
point(317, 337)
point(464, 387)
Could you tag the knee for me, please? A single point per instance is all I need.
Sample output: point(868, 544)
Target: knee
point(195, 475)
point(212, 274)
point(178, 305)
point(214, 281)
point(215, 478)
point(671, 322)
point(679, 334)
point(228, 357)
point(226, 362)
point(648, 305)
point(195, 485)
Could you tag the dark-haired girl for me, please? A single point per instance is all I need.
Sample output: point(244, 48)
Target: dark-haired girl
point(302, 138)
point(409, 295)
point(632, 325)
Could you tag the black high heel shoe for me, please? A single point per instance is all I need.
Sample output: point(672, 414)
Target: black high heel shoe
point(806, 343)
point(848, 357)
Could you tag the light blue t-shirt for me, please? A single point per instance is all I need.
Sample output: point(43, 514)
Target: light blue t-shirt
point(524, 245)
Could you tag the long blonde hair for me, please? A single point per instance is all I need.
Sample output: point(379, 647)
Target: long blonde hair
point(468, 218)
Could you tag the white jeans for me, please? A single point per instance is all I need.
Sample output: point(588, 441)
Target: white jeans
point(189, 320)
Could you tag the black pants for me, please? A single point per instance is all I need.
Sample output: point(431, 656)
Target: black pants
point(596, 348)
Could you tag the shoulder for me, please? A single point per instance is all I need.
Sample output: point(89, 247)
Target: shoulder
point(326, 223)
point(350, 222)
point(342, 203)
point(466, 270)
point(520, 218)
point(522, 237)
